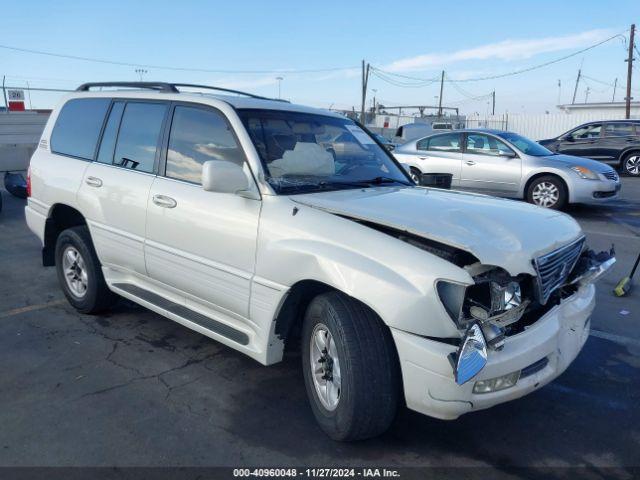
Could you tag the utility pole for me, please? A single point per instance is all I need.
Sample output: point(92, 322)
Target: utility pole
point(440, 98)
point(575, 90)
point(493, 102)
point(279, 80)
point(615, 85)
point(629, 70)
point(559, 90)
point(4, 91)
point(586, 95)
point(365, 80)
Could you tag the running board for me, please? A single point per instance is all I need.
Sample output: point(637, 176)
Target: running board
point(184, 312)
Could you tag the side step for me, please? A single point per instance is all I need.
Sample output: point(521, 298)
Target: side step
point(186, 313)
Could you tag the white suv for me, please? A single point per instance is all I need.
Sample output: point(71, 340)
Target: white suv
point(266, 225)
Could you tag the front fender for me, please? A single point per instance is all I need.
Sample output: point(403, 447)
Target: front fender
point(393, 278)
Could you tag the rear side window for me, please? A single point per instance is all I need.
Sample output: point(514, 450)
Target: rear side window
point(450, 142)
point(619, 130)
point(198, 135)
point(138, 136)
point(78, 127)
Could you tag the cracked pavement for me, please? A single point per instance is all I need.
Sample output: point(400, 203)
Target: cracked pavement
point(131, 388)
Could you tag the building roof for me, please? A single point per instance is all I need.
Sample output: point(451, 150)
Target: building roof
point(595, 105)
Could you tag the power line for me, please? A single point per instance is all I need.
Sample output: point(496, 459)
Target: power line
point(523, 70)
point(167, 67)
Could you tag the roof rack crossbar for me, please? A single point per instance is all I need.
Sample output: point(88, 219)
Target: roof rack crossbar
point(159, 86)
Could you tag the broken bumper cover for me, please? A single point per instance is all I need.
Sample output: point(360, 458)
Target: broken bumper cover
point(543, 351)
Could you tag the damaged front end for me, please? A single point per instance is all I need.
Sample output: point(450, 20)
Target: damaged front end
point(498, 305)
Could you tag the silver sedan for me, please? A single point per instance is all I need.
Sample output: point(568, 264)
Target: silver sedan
point(506, 164)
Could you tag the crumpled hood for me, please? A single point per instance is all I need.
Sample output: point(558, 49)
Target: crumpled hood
point(499, 232)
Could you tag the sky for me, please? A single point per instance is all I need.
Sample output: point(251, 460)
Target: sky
point(317, 49)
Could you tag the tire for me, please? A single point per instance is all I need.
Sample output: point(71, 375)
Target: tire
point(631, 164)
point(548, 191)
point(367, 364)
point(81, 261)
point(416, 175)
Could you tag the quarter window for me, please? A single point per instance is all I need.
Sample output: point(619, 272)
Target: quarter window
point(199, 135)
point(139, 135)
point(486, 145)
point(619, 130)
point(78, 127)
point(445, 143)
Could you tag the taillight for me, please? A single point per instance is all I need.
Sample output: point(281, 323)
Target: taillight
point(29, 182)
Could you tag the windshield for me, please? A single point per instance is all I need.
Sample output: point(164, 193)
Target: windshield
point(526, 146)
point(304, 152)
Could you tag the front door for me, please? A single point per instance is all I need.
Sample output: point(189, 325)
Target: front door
point(583, 142)
point(201, 243)
point(490, 166)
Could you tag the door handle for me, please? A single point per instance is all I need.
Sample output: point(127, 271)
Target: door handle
point(423, 158)
point(164, 201)
point(93, 181)
point(470, 162)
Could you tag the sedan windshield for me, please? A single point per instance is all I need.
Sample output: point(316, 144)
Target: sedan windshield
point(304, 152)
point(526, 146)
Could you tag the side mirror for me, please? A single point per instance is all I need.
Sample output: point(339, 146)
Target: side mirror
point(508, 154)
point(568, 138)
point(223, 177)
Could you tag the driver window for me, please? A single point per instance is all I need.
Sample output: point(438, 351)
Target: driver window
point(589, 131)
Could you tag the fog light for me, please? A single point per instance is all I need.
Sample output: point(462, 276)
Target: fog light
point(496, 384)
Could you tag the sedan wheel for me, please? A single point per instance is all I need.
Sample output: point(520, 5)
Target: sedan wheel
point(416, 176)
point(545, 194)
point(632, 165)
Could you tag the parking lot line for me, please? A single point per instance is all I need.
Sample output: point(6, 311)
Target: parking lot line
point(30, 308)
point(612, 337)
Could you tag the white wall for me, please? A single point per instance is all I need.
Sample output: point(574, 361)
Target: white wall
point(538, 127)
point(19, 135)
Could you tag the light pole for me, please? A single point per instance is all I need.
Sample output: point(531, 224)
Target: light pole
point(141, 72)
point(279, 79)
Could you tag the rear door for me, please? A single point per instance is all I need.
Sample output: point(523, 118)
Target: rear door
point(583, 142)
point(490, 166)
point(116, 186)
point(439, 154)
point(617, 137)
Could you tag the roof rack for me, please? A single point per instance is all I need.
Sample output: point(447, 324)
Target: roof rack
point(160, 86)
point(167, 87)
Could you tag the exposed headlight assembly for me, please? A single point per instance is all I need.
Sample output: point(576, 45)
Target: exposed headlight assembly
point(584, 172)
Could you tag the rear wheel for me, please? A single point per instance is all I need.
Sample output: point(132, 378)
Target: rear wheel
point(547, 191)
point(350, 368)
point(631, 164)
point(80, 273)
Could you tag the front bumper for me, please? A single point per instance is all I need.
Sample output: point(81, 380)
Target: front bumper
point(558, 336)
point(594, 191)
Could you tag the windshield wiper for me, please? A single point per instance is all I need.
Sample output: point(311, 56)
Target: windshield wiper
point(381, 180)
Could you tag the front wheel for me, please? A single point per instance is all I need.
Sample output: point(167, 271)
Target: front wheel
point(631, 164)
point(416, 175)
point(350, 366)
point(547, 191)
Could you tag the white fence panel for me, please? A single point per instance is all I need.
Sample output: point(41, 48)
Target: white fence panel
point(538, 127)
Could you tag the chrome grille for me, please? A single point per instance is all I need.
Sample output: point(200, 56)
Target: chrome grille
point(611, 175)
point(554, 268)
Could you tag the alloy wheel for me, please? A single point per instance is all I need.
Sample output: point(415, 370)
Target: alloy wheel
point(632, 165)
point(325, 367)
point(545, 194)
point(75, 271)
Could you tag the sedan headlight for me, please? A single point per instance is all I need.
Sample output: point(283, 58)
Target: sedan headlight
point(585, 173)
